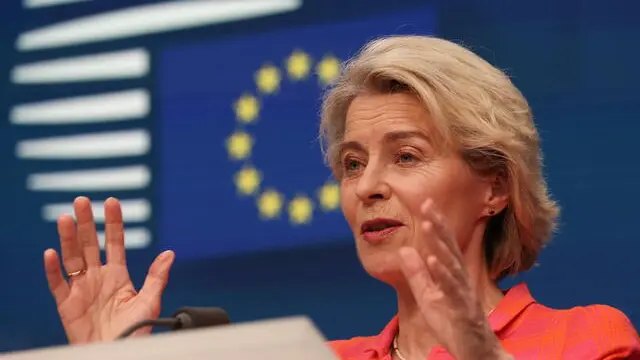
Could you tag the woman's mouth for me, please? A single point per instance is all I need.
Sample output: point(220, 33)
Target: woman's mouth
point(376, 230)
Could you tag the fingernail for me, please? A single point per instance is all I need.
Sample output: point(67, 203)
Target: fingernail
point(404, 252)
point(165, 256)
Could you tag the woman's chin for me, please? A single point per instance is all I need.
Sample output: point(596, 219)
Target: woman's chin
point(383, 268)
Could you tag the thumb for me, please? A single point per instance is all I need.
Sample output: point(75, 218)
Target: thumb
point(158, 276)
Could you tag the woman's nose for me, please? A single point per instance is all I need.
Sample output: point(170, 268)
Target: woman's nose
point(372, 185)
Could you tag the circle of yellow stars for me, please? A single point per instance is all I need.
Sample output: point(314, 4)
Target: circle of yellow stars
point(270, 202)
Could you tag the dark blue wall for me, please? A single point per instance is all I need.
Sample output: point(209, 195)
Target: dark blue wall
point(576, 62)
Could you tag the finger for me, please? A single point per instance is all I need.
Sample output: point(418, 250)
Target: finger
point(430, 213)
point(448, 265)
point(114, 232)
point(415, 271)
point(87, 232)
point(72, 257)
point(57, 285)
point(443, 278)
point(442, 252)
point(453, 266)
point(158, 276)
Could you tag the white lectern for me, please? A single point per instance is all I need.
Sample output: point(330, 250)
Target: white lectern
point(294, 338)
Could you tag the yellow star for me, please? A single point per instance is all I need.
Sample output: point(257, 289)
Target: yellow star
point(248, 180)
point(268, 79)
point(300, 210)
point(329, 197)
point(298, 65)
point(328, 69)
point(239, 145)
point(247, 108)
point(270, 204)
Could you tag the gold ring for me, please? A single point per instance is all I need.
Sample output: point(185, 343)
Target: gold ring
point(76, 273)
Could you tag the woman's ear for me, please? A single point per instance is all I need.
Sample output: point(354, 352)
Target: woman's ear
point(497, 197)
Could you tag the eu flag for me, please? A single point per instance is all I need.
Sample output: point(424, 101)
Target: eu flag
point(241, 168)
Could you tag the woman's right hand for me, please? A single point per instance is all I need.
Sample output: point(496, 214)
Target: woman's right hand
point(100, 302)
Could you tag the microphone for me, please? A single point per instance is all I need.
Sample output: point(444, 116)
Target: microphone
point(184, 318)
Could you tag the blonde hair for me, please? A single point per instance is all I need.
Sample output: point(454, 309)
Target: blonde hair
point(477, 110)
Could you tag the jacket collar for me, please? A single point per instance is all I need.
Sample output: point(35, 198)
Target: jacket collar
point(515, 301)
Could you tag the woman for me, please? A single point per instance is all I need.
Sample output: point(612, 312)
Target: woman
point(441, 183)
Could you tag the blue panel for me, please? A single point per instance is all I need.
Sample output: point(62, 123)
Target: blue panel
point(202, 212)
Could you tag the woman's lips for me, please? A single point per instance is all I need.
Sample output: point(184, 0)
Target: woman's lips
point(377, 236)
point(376, 230)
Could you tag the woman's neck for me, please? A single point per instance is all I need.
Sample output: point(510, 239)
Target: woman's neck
point(415, 339)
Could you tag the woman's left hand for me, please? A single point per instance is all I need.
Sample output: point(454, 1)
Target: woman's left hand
point(445, 295)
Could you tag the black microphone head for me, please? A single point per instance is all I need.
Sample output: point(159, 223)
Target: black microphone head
point(196, 317)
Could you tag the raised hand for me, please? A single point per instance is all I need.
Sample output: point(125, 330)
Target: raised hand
point(99, 301)
point(443, 291)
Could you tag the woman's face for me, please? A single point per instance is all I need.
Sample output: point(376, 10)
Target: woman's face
point(390, 165)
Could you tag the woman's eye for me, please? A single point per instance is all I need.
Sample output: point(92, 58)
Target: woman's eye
point(406, 157)
point(352, 165)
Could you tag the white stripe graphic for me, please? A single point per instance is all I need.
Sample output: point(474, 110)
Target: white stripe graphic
point(134, 238)
point(105, 179)
point(107, 66)
point(124, 105)
point(34, 4)
point(133, 210)
point(149, 19)
point(87, 146)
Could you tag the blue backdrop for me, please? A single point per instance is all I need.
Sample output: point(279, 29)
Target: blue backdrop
point(233, 179)
point(198, 86)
